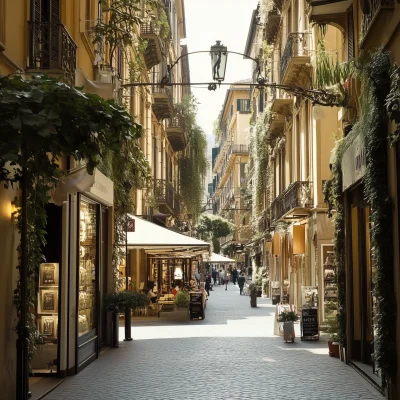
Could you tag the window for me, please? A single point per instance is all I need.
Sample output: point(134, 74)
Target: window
point(88, 15)
point(243, 105)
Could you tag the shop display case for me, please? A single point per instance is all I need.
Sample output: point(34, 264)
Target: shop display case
point(87, 267)
point(329, 279)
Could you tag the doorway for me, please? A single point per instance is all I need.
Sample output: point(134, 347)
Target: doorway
point(361, 283)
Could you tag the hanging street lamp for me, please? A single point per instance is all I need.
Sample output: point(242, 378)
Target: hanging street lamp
point(219, 56)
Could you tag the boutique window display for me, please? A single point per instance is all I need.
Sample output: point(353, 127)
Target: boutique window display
point(329, 279)
point(45, 359)
point(87, 266)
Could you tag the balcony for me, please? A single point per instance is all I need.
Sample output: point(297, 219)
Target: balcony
point(240, 149)
point(153, 53)
point(329, 12)
point(295, 60)
point(281, 103)
point(264, 224)
point(51, 48)
point(166, 198)
point(177, 137)
point(163, 105)
point(374, 22)
point(272, 25)
point(294, 203)
point(278, 4)
point(276, 127)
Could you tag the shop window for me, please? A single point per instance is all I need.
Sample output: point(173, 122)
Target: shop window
point(87, 266)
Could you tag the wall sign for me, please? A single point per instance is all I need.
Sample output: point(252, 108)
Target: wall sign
point(354, 162)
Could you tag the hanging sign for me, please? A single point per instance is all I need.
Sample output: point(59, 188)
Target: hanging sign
point(354, 162)
point(131, 225)
point(309, 324)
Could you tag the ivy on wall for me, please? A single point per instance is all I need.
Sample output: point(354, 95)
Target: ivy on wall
point(193, 162)
point(373, 71)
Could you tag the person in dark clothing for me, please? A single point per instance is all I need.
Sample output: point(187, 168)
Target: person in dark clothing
point(241, 282)
point(234, 275)
point(214, 275)
point(207, 285)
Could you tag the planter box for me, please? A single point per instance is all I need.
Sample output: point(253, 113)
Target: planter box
point(333, 349)
point(253, 300)
point(288, 332)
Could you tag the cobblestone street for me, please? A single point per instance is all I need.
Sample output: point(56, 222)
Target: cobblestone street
point(232, 354)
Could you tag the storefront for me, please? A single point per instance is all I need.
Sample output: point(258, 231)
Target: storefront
point(71, 326)
point(360, 270)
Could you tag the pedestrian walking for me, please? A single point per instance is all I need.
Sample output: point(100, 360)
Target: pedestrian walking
point(207, 285)
point(221, 276)
point(214, 275)
point(198, 277)
point(234, 275)
point(241, 282)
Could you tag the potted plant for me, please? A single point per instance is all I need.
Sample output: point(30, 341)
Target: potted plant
point(333, 341)
point(253, 292)
point(125, 301)
point(182, 299)
point(288, 318)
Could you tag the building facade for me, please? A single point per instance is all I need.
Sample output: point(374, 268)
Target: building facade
point(58, 38)
point(229, 164)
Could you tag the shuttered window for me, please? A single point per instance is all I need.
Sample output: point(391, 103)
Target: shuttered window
point(350, 30)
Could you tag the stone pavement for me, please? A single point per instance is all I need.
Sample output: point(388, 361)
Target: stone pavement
point(232, 354)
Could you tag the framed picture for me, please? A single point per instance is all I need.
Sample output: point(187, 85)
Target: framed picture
point(49, 301)
point(48, 274)
point(48, 327)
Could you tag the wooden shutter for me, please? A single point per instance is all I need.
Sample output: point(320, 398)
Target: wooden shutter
point(238, 105)
point(350, 33)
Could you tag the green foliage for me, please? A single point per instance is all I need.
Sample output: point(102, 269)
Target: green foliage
point(333, 329)
point(213, 228)
point(163, 24)
point(119, 302)
point(330, 73)
point(217, 131)
point(254, 288)
point(287, 316)
point(373, 71)
point(119, 29)
point(42, 120)
point(193, 163)
point(182, 299)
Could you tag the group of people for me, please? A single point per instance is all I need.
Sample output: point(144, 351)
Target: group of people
point(223, 276)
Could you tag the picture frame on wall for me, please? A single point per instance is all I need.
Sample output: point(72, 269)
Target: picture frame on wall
point(49, 301)
point(48, 274)
point(48, 326)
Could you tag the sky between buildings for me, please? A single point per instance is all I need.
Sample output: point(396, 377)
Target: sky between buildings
point(206, 22)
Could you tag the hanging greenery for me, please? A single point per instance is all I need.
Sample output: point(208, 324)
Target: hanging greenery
point(217, 130)
point(118, 29)
point(373, 72)
point(43, 120)
point(193, 162)
point(329, 72)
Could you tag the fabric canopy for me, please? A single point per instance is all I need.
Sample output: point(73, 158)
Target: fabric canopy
point(159, 241)
point(217, 258)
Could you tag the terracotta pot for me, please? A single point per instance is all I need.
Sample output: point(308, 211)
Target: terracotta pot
point(333, 349)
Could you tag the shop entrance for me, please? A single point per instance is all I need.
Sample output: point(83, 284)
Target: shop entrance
point(362, 275)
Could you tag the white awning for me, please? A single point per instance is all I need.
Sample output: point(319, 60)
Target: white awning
point(218, 258)
point(162, 242)
point(97, 186)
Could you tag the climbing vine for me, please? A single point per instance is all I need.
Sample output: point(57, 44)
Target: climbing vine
point(193, 162)
point(42, 121)
point(373, 72)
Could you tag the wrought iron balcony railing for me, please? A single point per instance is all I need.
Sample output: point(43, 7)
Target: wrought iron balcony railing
point(375, 7)
point(51, 48)
point(297, 195)
point(165, 195)
point(296, 46)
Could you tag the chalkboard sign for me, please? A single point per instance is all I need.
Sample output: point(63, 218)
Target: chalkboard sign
point(309, 324)
point(196, 306)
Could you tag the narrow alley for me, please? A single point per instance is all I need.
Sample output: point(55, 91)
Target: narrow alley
point(232, 354)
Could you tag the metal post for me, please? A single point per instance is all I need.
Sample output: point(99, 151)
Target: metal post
point(22, 380)
point(128, 318)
